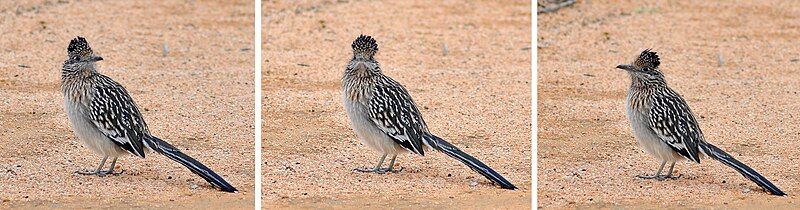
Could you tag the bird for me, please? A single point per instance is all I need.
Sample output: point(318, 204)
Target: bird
point(386, 119)
point(106, 119)
point(666, 128)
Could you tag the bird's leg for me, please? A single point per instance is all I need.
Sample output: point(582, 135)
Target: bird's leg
point(376, 169)
point(111, 169)
point(669, 174)
point(95, 172)
point(390, 168)
point(658, 173)
point(392, 165)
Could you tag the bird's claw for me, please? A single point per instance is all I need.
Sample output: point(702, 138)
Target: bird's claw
point(378, 170)
point(660, 177)
point(99, 173)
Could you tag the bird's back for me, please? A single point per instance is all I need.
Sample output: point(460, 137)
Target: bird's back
point(96, 103)
point(660, 113)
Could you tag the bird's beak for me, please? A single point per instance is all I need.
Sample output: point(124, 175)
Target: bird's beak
point(625, 67)
point(96, 58)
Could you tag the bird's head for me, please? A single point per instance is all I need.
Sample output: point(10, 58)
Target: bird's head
point(79, 51)
point(364, 47)
point(363, 61)
point(645, 66)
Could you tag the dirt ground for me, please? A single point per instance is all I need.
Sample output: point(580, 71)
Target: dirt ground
point(198, 96)
point(467, 65)
point(736, 64)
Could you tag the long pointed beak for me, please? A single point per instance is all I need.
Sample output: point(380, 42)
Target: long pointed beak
point(96, 58)
point(625, 67)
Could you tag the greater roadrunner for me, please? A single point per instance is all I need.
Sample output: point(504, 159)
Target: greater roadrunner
point(385, 118)
point(665, 127)
point(107, 120)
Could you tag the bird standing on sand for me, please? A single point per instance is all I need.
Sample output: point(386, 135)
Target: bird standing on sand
point(105, 118)
point(665, 127)
point(385, 118)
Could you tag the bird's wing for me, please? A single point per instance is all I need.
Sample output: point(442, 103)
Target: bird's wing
point(395, 113)
point(115, 114)
point(673, 122)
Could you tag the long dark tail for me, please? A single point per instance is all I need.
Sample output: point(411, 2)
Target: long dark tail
point(722, 156)
point(193, 165)
point(474, 164)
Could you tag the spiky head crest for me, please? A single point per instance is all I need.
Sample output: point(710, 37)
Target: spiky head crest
point(648, 59)
point(78, 47)
point(365, 46)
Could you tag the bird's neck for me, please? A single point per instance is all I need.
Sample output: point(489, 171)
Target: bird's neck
point(357, 84)
point(639, 82)
point(72, 71)
point(76, 80)
point(641, 90)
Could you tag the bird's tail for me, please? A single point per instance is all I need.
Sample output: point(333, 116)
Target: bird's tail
point(473, 163)
point(193, 165)
point(722, 156)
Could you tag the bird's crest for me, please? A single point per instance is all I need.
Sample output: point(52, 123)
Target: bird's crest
point(78, 47)
point(365, 46)
point(648, 59)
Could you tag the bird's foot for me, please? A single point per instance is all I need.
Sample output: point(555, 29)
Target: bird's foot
point(99, 173)
point(388, 170)
point(378, 170)
point(670, 176)
point(87, 172)
point(115, 173)
point(660, 177)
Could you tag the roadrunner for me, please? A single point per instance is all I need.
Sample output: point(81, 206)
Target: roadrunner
point(385, 118)
point(665, 127)
point(107, 121)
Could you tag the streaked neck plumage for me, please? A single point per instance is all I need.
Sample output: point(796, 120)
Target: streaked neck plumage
point(76, 79)
point(360, 77)
point(641, 81)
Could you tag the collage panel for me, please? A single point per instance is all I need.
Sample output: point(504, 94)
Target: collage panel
point(466, 64)
point(668, 105)
point(84, 82)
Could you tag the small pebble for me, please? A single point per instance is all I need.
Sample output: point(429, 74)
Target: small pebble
point(193, 186)
point(165, 50)
point(473, 183)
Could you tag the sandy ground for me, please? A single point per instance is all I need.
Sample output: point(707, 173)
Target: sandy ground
point(198, 97)
point(736, 64)
point(476, 95)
